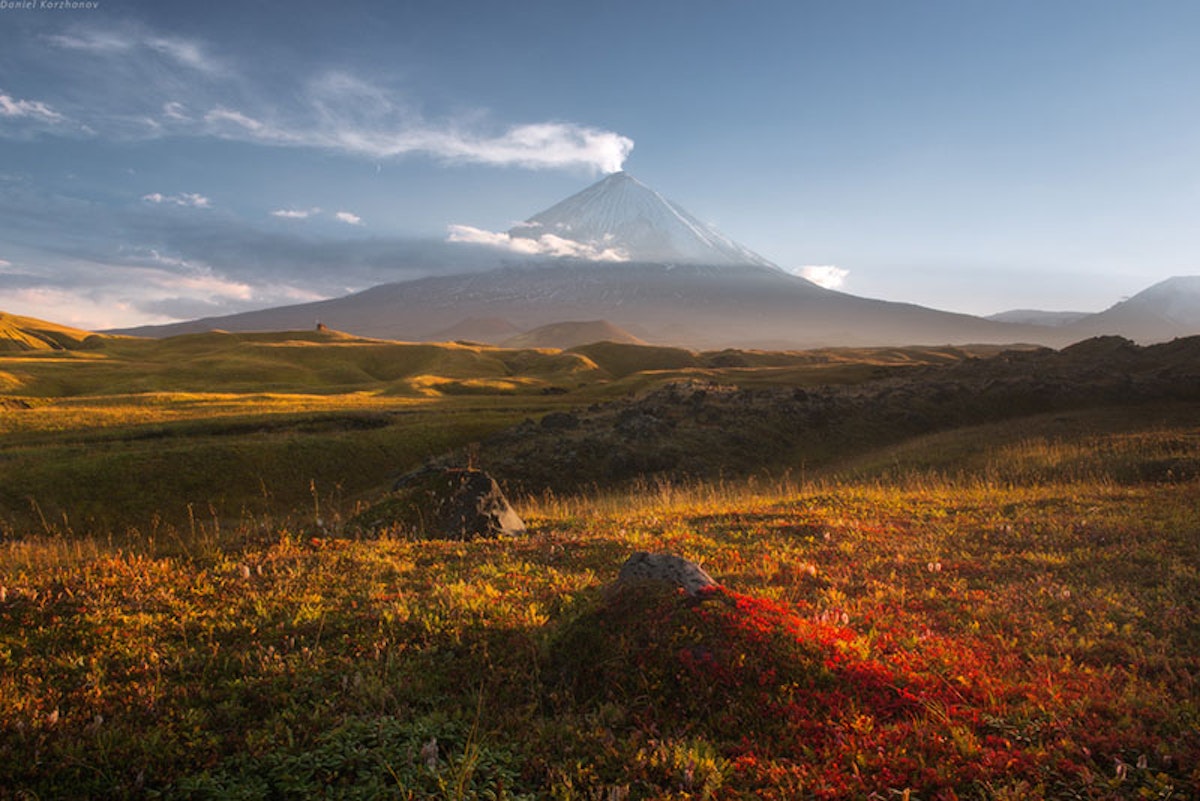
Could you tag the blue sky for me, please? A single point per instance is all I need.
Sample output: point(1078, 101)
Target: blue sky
point(166, 160)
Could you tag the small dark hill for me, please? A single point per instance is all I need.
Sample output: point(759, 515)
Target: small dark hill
point(24, 334)
point(623, 358)
point(487, 330)
point(572, 334)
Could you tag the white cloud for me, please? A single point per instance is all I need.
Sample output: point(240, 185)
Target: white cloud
point(147, 286)
point(182, 199)
point(826, 275)
point(390, 132)
point(5, 263)
point(241, 122)
point(545, 145)
point(90, 312)
point(188, 53)
point(123, 299)
point(153, 256)
point(295, 214)
point(133, 82)
point(545, 245)
point(156, 268)
point(204, 284)
point(92, 41)
point(478, 236)
point(185, 52)
point(28, 109)
point(536, 146)
point(348, 218)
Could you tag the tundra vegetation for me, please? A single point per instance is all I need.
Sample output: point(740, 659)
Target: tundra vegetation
point(992, 604)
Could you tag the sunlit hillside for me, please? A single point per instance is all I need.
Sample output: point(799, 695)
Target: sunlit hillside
point(945, 573)
point(128, 430)
point(1024, 634)
point(23, 334)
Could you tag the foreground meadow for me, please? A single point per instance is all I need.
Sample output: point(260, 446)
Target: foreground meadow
point(953, 578)
point(937, 637)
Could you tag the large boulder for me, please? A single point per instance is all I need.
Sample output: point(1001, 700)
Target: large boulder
point(442, 503)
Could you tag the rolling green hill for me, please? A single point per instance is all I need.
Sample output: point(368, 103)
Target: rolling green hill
point(294, 361)
point(25, 334)
point(124, 430)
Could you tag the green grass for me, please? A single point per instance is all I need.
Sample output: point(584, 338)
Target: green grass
point(998, 611)
point(1159, 442)
point(25, 334)
point(294, 362)
point(110, 479)
point(962, 633)
point(134, 433)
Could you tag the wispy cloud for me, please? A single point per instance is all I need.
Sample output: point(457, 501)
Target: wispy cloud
point(5, 263)
point(390, 130)
point(183, 51)
point(825, 275)
point(136, 40)
point(176, 274)
point(348, 217)
point(542, 145)
point(152, 86)
point(134, 264)
point(27, 109)
point(295, 214)
point(182, 199)
point(135, 289)
point(235, 125)
point(545, 245)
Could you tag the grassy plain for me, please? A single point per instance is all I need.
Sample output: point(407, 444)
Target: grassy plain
point(1003, 611)
point(116, 433)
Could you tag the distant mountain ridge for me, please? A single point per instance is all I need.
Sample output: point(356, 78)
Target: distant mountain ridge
point(678, 282)
point(1164, 311)
point(696, 306)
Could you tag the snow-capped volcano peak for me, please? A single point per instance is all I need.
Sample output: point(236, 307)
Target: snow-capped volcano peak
point(621, 214)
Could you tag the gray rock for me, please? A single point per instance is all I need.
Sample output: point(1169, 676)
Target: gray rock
point(666, 567)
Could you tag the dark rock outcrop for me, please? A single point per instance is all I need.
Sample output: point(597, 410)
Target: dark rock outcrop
point(690, 429)
point(443, 503)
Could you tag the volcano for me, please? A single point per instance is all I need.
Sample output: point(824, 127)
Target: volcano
point(625, 217)
point(665, 276)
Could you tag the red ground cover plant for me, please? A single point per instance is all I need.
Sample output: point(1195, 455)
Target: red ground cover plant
point(805, 707)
